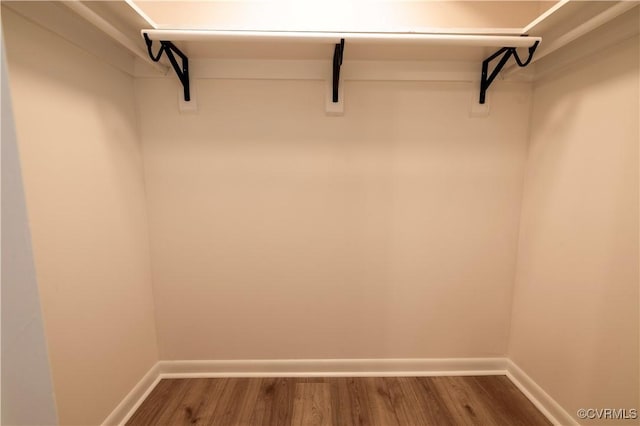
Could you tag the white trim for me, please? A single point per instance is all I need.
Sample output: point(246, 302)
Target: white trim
point(512, 31)
point(130, 403)
point(576, 33)
point(618, 32)
point(351, 37)
point(584, 28)
point(549, 12)
point(334, 367)
point(542, 400)
point(142, 13)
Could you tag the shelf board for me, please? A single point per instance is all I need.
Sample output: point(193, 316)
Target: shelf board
point(441, 37)
point(319, 45)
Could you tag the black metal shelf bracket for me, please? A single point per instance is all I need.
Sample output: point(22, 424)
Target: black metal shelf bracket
point(337, 63)
point(506, 52)
point(171, 50)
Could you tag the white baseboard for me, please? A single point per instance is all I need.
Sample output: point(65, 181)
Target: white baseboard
point(134, 398)
point(334, 367)
point(543, 402)
point(340, 368)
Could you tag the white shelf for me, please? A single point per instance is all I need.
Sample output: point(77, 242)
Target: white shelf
point(443, 39)
point(214, 44)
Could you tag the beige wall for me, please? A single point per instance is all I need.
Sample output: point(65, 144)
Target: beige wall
point(575, 315)
point(279, 232)
point(78, 141)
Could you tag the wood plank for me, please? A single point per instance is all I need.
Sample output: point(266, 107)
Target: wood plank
point(248, 402)
point(312, 405)
point(236, 402)
point(350, 402)
point(274, 403)
point(405, 403)
point(161, 403)
point(429, 402)
point(213, 391)
point(465, 406)
point(193, 403)
point(380, 402)
point(172, 406)
point(507, 402)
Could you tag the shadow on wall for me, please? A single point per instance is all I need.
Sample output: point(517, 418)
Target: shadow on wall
point(27, 391)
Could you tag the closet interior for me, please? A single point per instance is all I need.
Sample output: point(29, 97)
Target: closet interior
point(328, 189)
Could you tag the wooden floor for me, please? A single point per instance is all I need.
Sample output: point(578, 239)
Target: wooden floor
point(388, 401)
